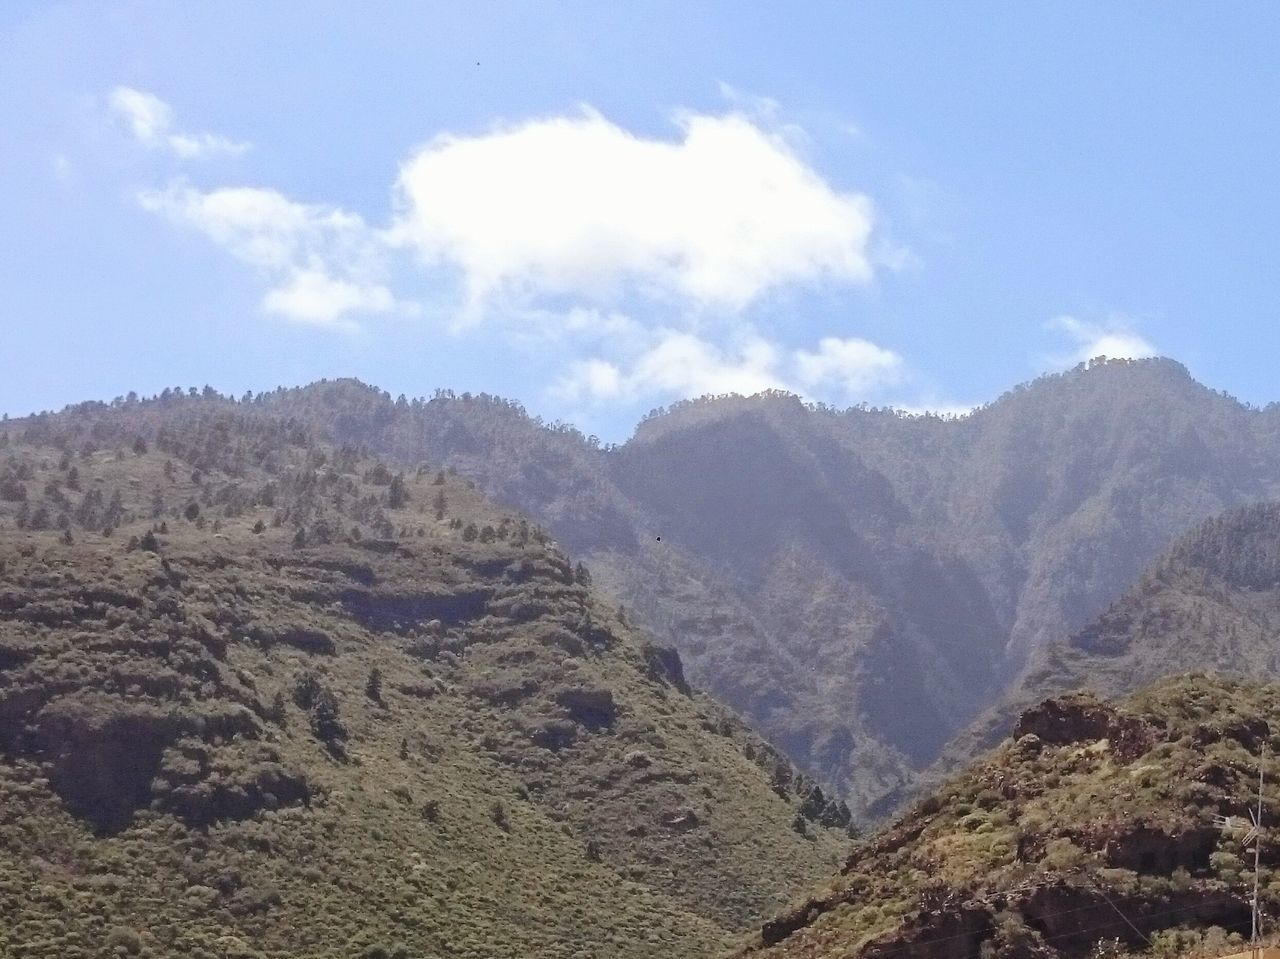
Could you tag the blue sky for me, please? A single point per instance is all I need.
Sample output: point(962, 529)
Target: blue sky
point(599, 208)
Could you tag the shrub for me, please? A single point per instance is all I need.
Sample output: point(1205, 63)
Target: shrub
point(306, 690)
point(120, 938)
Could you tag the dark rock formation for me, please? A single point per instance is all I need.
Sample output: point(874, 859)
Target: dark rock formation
point(1080, 718)
point(591, 706)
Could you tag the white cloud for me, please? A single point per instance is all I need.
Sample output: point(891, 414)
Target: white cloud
point(676, 365)
point(150, 120)
point(683, 364)
point(574, 231)
point(326, 263)
point(592, 379)
point(312, 296)
point(579, 206)
point(260, 226)
point(679, 365)
point(850, 365)
point(1114, 340)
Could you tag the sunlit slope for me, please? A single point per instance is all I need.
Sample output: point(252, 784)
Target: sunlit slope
point(1093, 831)
point(261, 696)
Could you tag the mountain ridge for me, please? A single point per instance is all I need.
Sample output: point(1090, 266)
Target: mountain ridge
point(1210, 601)
point(887, 574)
point(265, 697)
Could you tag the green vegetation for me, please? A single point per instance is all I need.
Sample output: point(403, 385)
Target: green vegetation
point(1211, 602)
point(1091, 832)
point(858, 584)
point(262, 702)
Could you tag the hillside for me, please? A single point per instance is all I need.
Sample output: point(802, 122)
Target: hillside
point(1090, 833)
point(1211, 602)
point(859, 585)
point(264, 697)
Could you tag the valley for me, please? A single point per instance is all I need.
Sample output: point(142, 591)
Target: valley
point(323, 673)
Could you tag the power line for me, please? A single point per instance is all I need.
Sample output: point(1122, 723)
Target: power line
point(1124, 917)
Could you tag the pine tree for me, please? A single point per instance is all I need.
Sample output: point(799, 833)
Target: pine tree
point(398, 494)
point(325, 722)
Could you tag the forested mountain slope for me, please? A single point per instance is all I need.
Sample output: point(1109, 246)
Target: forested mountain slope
point(858, 584)
point(260, 696)
point(1092, 832)
point(1211, 602)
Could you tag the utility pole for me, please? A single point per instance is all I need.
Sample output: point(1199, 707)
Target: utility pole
point(1257, 849)
point(1253, 835)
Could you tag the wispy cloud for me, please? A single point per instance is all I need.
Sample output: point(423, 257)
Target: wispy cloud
point(676, 364)
point(1114, 338)
point(681, 364)
point(150, 120)
point(324, 263)
point(849, 366)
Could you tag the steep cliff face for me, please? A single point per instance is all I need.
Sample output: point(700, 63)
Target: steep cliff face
point(1095, 824)
point(263, 697)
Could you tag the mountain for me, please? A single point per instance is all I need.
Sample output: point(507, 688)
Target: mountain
point(1210, 602)
point(261, 696)
point(859, 585)
point(1095, 831)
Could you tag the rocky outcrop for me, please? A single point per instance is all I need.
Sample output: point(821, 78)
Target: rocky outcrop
point(1152, 850)
point(1249, 733)
point(781, 927)
point(104, 752)
point(944, 930)
point(662, 663)
point(1081, 718)
point(590, 706)
point(202, 784)
point(1097, 823)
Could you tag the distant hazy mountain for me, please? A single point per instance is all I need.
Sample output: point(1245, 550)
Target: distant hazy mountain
point(265, 698)
point(1211, 602)
point(1096, 831)
point(859, 584)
